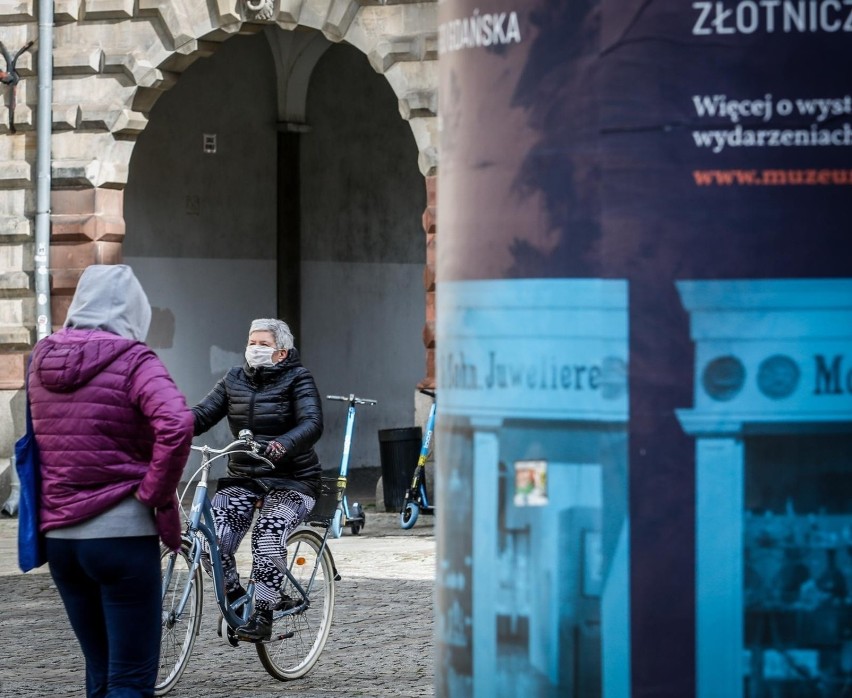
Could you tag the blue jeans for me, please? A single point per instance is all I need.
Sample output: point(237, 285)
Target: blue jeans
point(111, 591)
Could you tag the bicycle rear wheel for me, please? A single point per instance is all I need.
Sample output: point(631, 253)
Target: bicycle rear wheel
point(298, 639)
point(178, 631)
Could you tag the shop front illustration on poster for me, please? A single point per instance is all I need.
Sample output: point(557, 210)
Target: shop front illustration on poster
point(536, 377)
point(773, 427)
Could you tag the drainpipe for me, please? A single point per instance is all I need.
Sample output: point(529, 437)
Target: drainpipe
point(44, 125)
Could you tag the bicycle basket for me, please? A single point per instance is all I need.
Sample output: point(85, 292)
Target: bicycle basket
point(327, 503)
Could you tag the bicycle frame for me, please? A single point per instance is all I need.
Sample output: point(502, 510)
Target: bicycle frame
point(301, 620)
point(201, 527)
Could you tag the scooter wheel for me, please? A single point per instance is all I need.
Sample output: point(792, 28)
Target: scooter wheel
point(408, 516)
point(337, 524)
point(357, 518)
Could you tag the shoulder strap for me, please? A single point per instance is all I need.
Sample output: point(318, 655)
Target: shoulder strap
point(29, 417)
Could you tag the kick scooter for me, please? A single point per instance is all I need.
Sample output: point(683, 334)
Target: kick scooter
point(346, 515)
point(416, 496)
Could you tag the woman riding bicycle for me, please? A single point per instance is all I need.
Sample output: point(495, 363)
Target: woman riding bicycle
point(275, 397)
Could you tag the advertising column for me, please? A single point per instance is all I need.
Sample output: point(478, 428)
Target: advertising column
point(644, 259)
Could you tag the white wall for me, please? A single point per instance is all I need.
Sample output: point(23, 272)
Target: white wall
point(199, 327)
point(363, 252)
point(362, 325)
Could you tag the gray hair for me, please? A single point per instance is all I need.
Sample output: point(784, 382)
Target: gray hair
point(279, 329)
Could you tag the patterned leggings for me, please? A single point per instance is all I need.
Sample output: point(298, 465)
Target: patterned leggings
point(282, 511)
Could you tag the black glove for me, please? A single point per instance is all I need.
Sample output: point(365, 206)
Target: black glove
point(275, 451)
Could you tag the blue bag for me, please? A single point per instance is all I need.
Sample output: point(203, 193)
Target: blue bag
point(31, 552)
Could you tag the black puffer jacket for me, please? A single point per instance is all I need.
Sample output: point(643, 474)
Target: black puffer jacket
point(280, 402)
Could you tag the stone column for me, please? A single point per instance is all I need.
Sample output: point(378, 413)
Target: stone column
point(429, 218)
point(87, 227)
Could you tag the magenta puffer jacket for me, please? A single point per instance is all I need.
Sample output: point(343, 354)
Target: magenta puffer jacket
point(109, 422)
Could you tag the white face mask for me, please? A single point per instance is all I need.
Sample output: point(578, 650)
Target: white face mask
point(258, 355)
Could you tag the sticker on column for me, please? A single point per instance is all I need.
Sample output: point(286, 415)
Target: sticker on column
point(530, 483)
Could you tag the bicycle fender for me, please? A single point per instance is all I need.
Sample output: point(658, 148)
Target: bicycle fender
point(319, 539)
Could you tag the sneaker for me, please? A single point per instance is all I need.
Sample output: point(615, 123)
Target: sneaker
point(258, 628)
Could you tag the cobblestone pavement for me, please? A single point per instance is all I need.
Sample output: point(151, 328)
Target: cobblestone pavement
point(380, 642)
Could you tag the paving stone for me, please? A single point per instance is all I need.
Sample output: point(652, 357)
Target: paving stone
point(380, 642)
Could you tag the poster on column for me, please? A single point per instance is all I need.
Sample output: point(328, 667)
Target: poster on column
point(645, 290)
point(533, 572)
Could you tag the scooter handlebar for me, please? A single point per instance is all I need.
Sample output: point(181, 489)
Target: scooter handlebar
point(353, 399)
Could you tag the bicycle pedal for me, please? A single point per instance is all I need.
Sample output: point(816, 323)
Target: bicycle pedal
point(233, 640)
point(226, 631)
point(282, 636)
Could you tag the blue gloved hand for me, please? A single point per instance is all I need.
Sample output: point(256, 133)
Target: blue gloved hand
point(275, 451)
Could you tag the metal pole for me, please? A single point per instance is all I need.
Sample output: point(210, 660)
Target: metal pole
point(44, 127)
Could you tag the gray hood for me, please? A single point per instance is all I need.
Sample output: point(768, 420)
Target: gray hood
point(109, 297)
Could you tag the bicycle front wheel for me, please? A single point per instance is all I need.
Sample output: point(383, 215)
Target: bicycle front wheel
point(179, 627)
point(298, 639)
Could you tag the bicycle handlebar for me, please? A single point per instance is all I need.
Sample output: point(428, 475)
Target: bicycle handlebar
point(353, 399)
point(249, 447)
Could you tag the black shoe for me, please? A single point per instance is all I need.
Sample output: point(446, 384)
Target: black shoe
point(258, 628)
point(285, 603)
point(235, 594)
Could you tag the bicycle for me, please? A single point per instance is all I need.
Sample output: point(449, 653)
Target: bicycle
point(353, 516)
point(416, 496)
point(301, 620)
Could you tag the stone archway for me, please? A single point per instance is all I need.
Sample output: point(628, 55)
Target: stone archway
point(113, 59)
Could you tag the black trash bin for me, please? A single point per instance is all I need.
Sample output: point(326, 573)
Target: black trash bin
point(399, 450)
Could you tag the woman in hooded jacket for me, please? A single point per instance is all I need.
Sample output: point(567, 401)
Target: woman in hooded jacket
point(113, 433)
point(274, 397)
